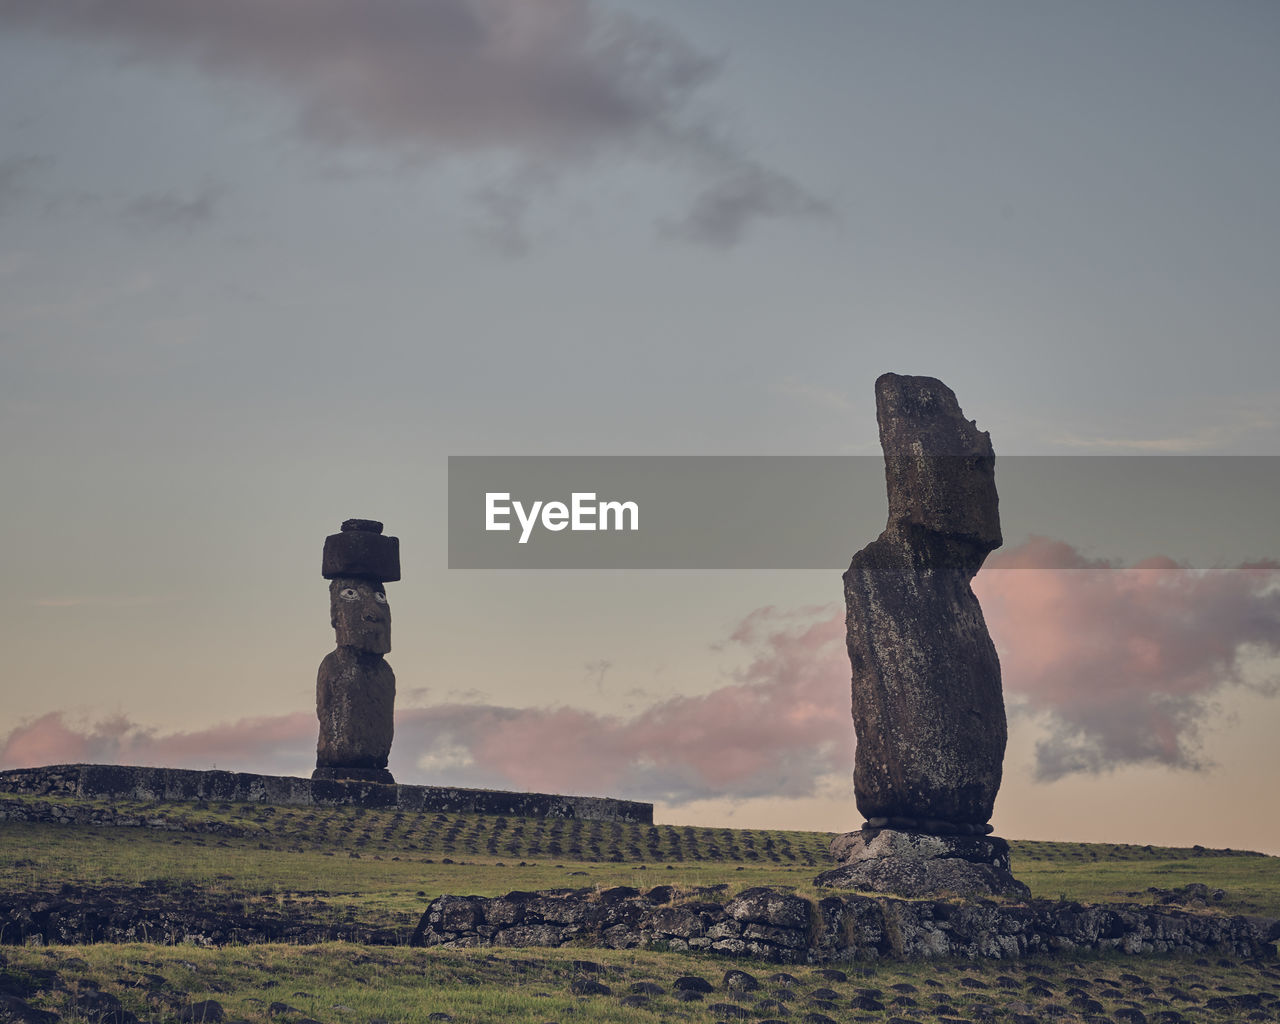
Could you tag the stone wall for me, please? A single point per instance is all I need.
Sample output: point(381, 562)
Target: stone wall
point(157, 785)
point(785, 928)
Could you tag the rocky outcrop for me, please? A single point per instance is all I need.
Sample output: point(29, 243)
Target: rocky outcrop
point(785, 928)
point(163, 785)
point(927, 704)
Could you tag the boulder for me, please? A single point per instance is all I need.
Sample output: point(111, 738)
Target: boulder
point(915, 864)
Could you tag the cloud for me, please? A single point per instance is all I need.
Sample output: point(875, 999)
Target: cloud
point(1124, 665)
point(16, 173)
point(505, 206)
point(723, 210)
point(281, 744)
point(544, 83)
point(1121, 665)
point(166, 210)
point(775, 730)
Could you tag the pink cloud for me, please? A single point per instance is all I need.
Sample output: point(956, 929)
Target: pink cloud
point(283, 744)
point(1122, 664)
point(780, 725)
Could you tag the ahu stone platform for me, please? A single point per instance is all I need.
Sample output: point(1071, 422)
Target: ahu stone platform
point(782, 927)
point(156, 785)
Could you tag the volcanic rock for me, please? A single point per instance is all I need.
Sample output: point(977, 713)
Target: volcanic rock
point(914, 864)
point(927, 704)
point(355, 687)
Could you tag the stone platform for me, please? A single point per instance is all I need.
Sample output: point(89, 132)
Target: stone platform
point(156, 785)
point(915, 864)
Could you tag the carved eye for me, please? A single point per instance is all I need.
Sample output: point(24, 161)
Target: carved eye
point(349, 594)
point(380, 597)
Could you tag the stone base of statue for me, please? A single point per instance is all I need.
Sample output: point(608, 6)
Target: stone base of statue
point(339, 774)
point(916, 864)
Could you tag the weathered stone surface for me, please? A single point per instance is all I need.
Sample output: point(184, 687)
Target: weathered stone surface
point(355, 688)
point(837, 929)
point(361, 550)
point(360, 614)
point(355, 701)
point(927, 704)
point(163, 785)
point(916, 864)
point(348, 774)
point(175, 913)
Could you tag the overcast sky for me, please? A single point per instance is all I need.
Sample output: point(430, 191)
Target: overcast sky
point(266, 264)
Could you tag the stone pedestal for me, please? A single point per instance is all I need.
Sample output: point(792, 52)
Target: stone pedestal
point(916, 864)
point(353, 775)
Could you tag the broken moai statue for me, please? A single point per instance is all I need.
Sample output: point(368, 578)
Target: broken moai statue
point(927, 704)
point(355, 688)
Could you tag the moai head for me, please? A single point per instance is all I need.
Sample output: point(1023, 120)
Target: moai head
point(940, 467)
point(357, 562)
point(360, 614)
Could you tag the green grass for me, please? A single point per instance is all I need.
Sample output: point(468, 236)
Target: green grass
point(344, 984)
point(382, 867)
point(1104, 873)
point(378, 861)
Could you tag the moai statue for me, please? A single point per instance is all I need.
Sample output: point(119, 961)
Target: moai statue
point(355, 688)
point(927, 703)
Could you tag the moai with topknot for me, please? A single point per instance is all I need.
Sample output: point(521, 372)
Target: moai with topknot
point(355, 688)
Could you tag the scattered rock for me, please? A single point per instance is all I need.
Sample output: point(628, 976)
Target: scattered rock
point(647, 988)
point(589, 987)
point(99, 1007)
point(207, 1011)
point(729, 1010)
point(739, 981)
point(18, 1011)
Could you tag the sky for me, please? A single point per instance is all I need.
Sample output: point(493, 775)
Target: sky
point(266, 264)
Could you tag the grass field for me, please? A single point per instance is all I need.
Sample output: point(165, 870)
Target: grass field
point(385, 866)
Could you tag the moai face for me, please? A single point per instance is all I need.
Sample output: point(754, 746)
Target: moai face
point(360, 614)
